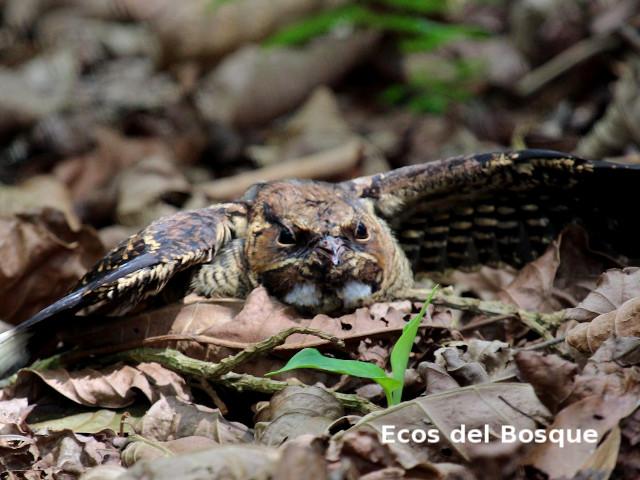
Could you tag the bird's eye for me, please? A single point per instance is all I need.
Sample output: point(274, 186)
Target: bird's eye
point(286, 237)
point(361, 232)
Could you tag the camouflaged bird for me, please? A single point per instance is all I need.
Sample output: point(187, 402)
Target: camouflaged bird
point(324, 247)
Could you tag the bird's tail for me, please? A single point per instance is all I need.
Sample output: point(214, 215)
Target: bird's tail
point(23, 343)
point(14, 349)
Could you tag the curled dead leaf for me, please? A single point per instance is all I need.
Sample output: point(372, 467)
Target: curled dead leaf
point(113, 387)
point(226, 461)
point(621, 322)
point(172, 418)
point(145, 449)
point(13, 415)
point(296, 411)
point(62, 454)
point(476, 361)
point(614, 288)
point(610, 371)
point(42, 259)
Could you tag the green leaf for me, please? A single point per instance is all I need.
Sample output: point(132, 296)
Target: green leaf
point(306, 29)
point(419, 6)
point(312, 358)
point(427, 33)
point(402, 348)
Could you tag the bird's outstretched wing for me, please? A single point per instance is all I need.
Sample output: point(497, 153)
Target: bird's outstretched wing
point(141, 266)
point(504, 208)
point(137, 269)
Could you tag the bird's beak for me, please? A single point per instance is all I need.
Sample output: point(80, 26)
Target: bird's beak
point(332, 248)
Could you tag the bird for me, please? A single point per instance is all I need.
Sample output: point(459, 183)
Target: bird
point(332, 247)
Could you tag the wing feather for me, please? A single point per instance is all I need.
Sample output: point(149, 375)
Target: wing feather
point(141, 266)
point(503, 208)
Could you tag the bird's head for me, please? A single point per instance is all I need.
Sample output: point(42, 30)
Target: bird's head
point(316, 246)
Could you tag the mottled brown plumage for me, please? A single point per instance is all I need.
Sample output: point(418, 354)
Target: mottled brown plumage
point(332, 247)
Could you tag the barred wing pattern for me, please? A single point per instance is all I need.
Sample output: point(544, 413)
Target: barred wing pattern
point(504, 208)
point(142, 266)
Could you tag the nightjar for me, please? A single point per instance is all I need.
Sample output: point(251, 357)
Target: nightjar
point(324, 247)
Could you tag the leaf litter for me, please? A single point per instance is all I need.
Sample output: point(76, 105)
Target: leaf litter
point(146, 115)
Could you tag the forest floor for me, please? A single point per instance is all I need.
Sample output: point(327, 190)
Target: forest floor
point(114, 113)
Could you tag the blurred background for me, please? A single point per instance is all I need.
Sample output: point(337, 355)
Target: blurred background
point(115, 112)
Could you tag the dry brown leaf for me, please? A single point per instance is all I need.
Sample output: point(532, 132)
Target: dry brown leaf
point(476, 361)
point(145, 449)
point(502, 63)
point(296, 411)
point(43, 258)
point(265, 91)
point(123, 85)
point(608, 373)
point(614, 288)
point(36, 193)
point(93, 421)
point(103, 472)
point(476, 406)
point(71, 453)
point(61, 454)
point(90, 177)
point(561, 277)
point(171, 418)
point(436, 378)
point(144, 189)
point(622, 322)
point(596, 412)
point(532, 288)
point(195, 29)
point(208, 330)
point(302, 458)
point(113, 387)
point(602, 462)
point(226, 461)
point(485, 283)
point(323, 165)
point(550, 375)
point(13, 415)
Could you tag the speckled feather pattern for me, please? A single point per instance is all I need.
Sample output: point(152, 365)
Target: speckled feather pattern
point(498, 208)
point(328, 248)
point(163, 249)
point(502, 208)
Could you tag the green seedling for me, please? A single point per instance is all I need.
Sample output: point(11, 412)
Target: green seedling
point(391, 384)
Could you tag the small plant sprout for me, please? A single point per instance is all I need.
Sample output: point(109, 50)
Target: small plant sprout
point(391, 384)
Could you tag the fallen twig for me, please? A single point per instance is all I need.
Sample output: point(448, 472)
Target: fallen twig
point(541, 323)
point(542, 345)
point(180, 363)
point(565, 61)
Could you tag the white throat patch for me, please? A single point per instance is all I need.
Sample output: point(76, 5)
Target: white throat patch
point(354, 292)
point(303, 295)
